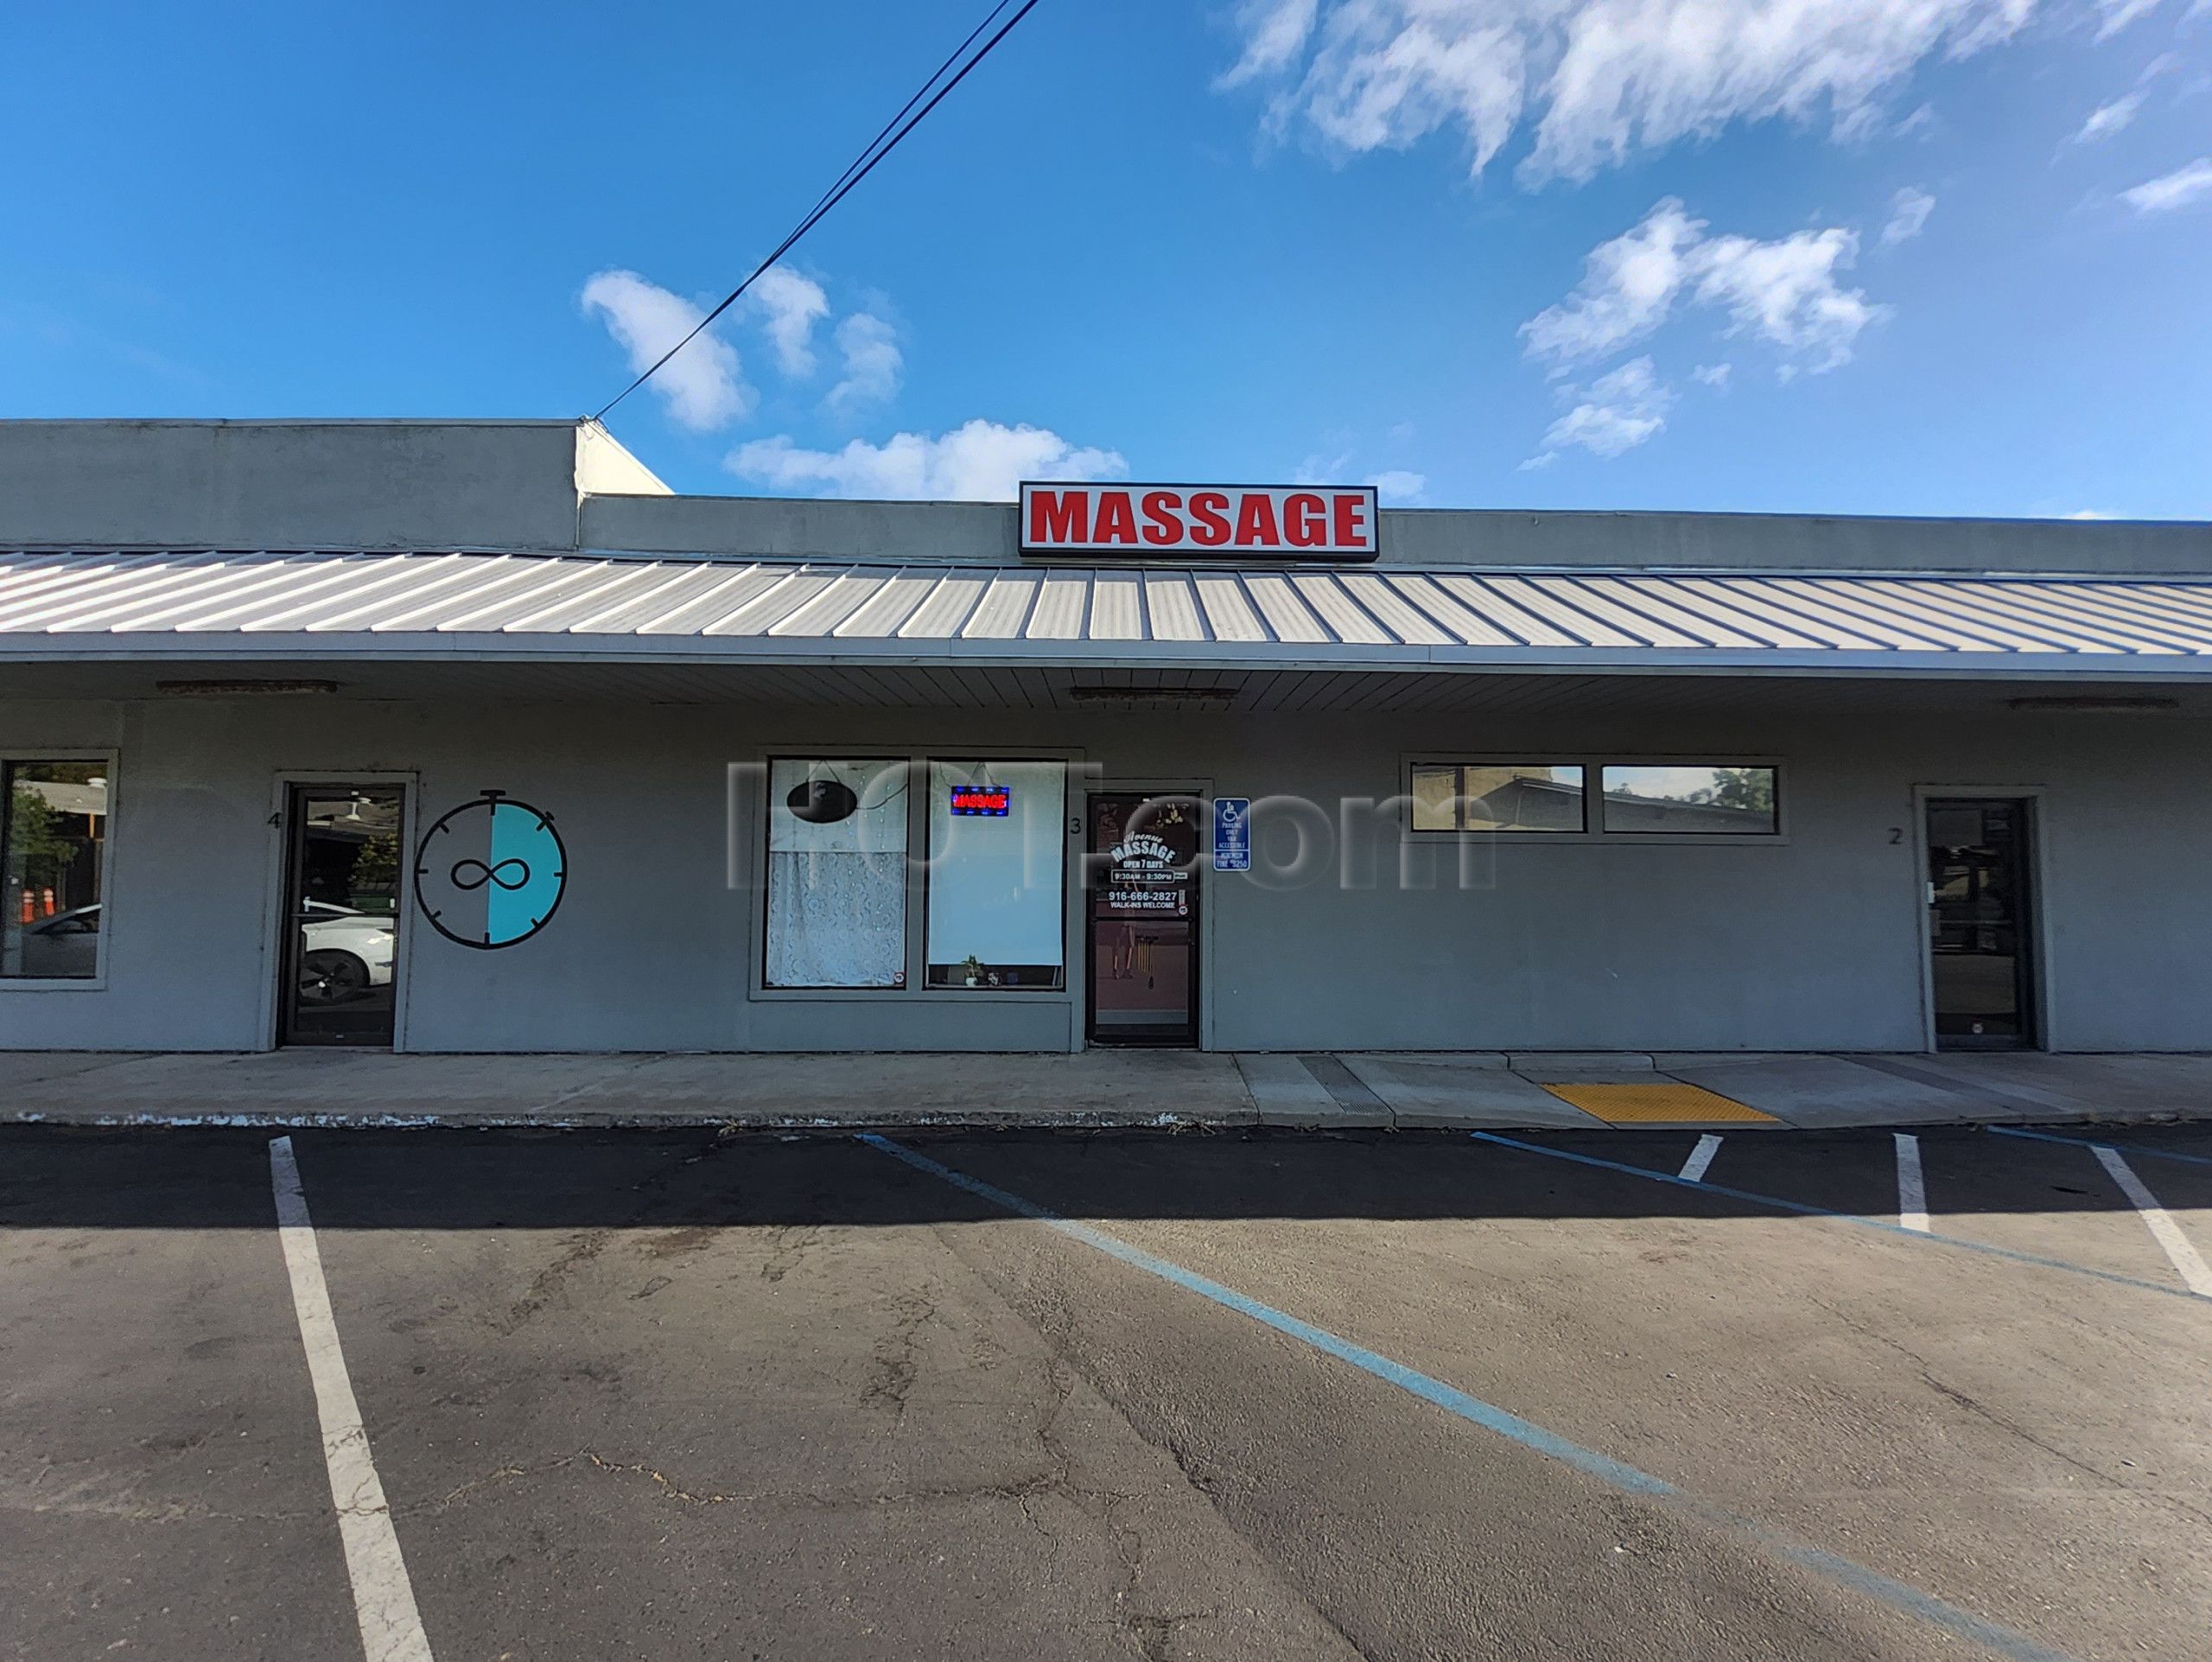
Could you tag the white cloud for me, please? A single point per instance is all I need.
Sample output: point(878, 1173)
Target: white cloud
point(1598, 79)
point(2119, 13)
point(1784, 291)
point(2172, 190)
point(1399, 485)
point(1274, 33)
point(1628, 288)
point(704, 386)
point(1909, 212)
point(790, 306)
point(1712, 375)
point(980, 461)
point(2089, 513)
point(2108, 118)
point(874, 363)
point(1618, 411)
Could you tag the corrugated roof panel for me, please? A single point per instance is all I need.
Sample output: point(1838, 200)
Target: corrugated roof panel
point(614, 581)
point(1003, 610)
point(778, 601)
point(1954, 606)
point(1171, 607)
point(482, 583)
point(121, 582)
point(629, 609)
point(1390, 607)
point(1696, 626)
point(2049, 615)
point(691, 613)
point(160, 605)
point(280, 589)
point(354, 607)
point(820, 615)
point(939, 617)
point(1253, 615)
point(1061, 600)
point(1564, 625)
point(1228, 609)
point(1117, 608)
point(1784, 621)
point(1342, 615)
point(1466, 626)
point(890, 606)
point(1288, 618)
point(495, 607)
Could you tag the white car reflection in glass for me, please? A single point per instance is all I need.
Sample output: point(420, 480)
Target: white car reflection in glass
point(344, 954)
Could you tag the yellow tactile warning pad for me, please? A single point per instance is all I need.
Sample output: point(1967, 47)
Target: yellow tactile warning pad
point(1656, 1104)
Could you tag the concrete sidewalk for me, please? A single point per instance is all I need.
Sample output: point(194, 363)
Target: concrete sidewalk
point(1406, 1091)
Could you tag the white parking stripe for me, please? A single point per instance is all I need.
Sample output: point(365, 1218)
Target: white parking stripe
point(1701, 1160)
point(1912, 1188)
point(383, 1600)
point(2179, 1248)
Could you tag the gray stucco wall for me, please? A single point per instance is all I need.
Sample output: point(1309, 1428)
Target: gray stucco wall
point(1810, 943)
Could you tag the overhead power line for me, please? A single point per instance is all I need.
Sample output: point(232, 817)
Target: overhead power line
point(881, 145)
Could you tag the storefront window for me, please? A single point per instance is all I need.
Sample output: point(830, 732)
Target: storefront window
point(1497, 797)
point(998, 851)
point(54, 818)
point(1697, 801)
point(836, 873)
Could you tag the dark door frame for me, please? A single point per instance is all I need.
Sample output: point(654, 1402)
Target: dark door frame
point(289, 787)
point(2034, 943)
point(1204, 801)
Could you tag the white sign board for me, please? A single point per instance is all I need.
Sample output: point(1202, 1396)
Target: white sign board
point(1206, 522)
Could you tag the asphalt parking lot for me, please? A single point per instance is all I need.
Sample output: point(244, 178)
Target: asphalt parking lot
point(1028, 1395)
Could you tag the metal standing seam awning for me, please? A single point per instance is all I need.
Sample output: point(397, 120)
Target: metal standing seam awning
point(80, 605)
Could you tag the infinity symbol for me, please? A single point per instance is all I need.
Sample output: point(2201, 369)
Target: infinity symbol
point(482, 874)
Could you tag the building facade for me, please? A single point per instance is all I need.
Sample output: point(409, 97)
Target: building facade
point(472, 738)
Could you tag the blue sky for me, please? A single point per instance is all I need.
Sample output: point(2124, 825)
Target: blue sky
point(1854, 256)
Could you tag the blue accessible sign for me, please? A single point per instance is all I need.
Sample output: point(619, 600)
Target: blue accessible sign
point(1232, 833)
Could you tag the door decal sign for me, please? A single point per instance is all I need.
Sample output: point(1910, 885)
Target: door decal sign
point(1232, 833)
point(491, 873)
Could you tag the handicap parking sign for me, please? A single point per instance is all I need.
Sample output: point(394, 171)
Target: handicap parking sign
point(1232, 833)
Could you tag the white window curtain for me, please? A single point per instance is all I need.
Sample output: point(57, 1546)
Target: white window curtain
point(838, 878)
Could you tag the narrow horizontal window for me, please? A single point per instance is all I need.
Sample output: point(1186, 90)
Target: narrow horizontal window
point(997, 885)
point(54, 818)
point(1691, 801)
point(836, 873)
point(1481, 796)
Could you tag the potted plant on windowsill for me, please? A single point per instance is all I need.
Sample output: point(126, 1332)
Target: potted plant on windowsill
point(974, 966)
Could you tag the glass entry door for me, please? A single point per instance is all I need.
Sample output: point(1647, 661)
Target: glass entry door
point(341, 915)
point(1142, 882)
point(1978, 924)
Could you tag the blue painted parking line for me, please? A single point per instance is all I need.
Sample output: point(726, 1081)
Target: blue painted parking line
point(2087, 1143)
point(1869, 1584)
point(1804, 1209)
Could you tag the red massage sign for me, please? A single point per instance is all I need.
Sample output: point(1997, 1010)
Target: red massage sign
point(1206, 522)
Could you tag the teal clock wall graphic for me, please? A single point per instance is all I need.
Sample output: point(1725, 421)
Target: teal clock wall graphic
point(491, 873)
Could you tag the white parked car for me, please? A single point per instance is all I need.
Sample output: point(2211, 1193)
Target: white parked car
point(344, 954)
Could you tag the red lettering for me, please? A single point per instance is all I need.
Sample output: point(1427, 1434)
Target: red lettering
point(1352, 522)
point(1209, 518)
point(1305, 520)
point(1255, 522)
point(1162, 524)
point(1116, 524)
point(1058, 516)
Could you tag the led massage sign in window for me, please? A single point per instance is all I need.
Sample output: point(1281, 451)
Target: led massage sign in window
point(983, 801)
